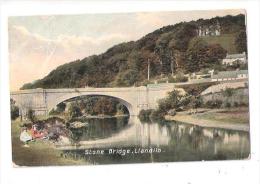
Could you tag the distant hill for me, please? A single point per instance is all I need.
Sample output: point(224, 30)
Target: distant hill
point(170, 49)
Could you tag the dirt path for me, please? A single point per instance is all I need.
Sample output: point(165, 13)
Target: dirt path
point(191, 119)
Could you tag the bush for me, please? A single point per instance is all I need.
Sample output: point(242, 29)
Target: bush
point(53, 112)
point(14, 112)
point(144, 115)
point(31, 115)
point(243, 104)
point(227, 105)
point(157, 115)
point(236, 104)
point(74, 111)
point(213, 104)
point(181, 78)
point(217, 103)
point(208, 104)
point(121, 109)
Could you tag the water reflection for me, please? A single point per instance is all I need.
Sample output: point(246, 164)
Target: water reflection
point(99, 128)
point(178, 141)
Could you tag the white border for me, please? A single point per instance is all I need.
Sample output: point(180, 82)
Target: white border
point(181, 172)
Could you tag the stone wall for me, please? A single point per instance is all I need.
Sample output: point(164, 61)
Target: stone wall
point(241, 95)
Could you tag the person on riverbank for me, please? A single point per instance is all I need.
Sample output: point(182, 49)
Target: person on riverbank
point(36, 134)
point(25, 137)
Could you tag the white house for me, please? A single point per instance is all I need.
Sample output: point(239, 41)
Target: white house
point(232, 59)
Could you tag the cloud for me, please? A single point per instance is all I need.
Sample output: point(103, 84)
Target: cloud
point(151, 19)
point(33, 56)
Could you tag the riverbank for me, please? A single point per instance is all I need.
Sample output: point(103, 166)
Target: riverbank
point(102, 116)
point(233, 118)
point(39, 153)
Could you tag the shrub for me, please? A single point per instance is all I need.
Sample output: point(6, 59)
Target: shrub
point(14, 112)
point(243, 104)
point(227, 105)
point(31, 115)
point(181, 78)
point(144, 115)
point(213, 104)
point(236, 104)
point(53, 112)
point(217, 104)
point(74, 111)
point(157, 115)
point(208, 104)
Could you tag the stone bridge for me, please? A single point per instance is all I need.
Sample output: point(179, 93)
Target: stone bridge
point(42, 101)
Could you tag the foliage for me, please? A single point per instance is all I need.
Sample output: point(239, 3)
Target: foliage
point(212, 104)
point(144, 115)
point(121, 109)
point(174, 100)
point(196, 89)
point(180, 77)
point(31, 115)
point(91, 105)
point(104, 106)
point(228, 92)
point(14, 110)
point(74, 110)
point(168, 50)
point(195, 102)
point(127, 78)
point(227, 104)
point(200, 55)
point(241, 41)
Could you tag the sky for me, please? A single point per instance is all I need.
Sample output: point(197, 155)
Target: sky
point(38, 44)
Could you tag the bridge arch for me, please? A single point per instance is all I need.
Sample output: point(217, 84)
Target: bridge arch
point(57, 101)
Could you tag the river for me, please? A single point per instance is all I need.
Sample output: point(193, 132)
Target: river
point(127, 140)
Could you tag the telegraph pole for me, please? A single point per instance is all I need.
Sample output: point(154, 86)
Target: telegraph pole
point(148, 72)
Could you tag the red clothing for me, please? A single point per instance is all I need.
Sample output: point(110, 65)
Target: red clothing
point(36, 134)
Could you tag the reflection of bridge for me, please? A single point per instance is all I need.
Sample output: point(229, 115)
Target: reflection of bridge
point(134, 98)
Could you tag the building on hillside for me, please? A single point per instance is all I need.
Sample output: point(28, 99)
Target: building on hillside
point(230, 75)
point(232, 59)
point(211, 30)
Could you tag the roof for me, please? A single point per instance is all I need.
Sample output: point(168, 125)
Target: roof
point(229, 74)
point(235, 56)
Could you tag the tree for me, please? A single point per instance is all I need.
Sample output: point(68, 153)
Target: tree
point(74, 110)
point(31, 115)
point(228, 92)
point(127, 78)
point(121, 109)
point(241, 42)
point(14, 110)
point(104, 106)
point(195, 102)
point(201, 55)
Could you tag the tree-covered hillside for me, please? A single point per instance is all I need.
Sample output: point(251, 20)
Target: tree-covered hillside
point(168, 50)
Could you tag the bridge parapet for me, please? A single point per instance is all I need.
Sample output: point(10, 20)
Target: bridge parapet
point(134, 98)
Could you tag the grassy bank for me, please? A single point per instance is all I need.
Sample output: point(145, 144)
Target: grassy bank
point(40, 152)
point(233, 118)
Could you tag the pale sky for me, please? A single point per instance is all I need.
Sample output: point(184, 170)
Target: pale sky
point(38, 44)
